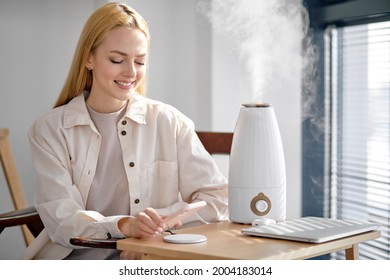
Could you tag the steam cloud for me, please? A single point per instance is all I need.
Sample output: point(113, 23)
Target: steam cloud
point(273, 41)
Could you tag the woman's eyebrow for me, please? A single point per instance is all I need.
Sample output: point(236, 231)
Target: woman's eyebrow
point(119, 52)
point(125, 54)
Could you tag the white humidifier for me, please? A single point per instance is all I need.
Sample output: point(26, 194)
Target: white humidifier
point(257, 173)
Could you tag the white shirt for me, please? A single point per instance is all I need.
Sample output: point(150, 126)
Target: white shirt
point(163, 158)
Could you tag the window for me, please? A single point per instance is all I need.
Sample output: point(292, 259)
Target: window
point(357, 136)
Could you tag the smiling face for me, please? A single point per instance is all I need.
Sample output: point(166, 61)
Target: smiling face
point(118, 66)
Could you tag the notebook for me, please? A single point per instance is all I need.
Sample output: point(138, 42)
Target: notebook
point(311, 229)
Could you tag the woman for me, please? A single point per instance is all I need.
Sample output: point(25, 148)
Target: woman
point(110, 162)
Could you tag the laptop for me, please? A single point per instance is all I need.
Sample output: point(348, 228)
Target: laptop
point(311, 229)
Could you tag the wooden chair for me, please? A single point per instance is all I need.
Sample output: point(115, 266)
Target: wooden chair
point(214, 143)
point(27, 218)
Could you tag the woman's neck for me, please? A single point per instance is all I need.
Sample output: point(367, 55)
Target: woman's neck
point(105, 106)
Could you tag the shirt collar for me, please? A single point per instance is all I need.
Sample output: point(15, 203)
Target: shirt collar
point(76, 112)
point(136, 109)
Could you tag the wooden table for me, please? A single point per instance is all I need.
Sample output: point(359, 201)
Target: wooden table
point(225, 241)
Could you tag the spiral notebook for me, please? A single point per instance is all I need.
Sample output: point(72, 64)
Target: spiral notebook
point(311, 229)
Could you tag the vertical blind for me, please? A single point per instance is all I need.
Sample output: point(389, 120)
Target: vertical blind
point(357, 105)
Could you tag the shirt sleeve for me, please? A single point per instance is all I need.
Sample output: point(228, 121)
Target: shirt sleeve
point(200, 177)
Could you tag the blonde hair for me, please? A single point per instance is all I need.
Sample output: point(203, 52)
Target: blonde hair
point(103, 20)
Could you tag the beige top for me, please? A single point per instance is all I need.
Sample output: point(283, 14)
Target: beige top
point(110, 181)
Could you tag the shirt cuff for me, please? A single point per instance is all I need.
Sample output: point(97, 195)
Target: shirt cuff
point(108, 227)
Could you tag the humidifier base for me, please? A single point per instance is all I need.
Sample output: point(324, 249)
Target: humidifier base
point(248, 204)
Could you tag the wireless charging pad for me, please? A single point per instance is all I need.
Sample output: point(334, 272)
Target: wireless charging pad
point(185, 238)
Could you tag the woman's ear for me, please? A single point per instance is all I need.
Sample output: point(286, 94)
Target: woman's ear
point(88, 63)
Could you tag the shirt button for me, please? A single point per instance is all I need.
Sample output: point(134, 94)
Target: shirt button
point(136, 201)
point(124, 122)
point(131, 164)
point(123, 132)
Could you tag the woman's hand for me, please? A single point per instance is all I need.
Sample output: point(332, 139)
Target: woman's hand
point(145, 224)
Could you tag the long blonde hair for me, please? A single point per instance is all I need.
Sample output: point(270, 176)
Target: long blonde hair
point(103, 20)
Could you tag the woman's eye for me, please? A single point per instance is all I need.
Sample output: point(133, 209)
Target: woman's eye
point(140, 62)
point(116, 61)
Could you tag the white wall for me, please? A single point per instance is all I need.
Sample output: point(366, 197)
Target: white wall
point(190, 69)
point(179, 70)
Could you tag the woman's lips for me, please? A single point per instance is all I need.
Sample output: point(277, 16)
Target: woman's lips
point(124, 84)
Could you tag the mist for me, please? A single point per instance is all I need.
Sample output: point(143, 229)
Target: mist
point(272, 39)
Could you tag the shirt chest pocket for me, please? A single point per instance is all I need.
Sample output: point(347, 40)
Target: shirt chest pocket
point(162, 181)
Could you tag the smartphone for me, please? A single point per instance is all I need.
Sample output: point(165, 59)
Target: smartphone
point(182, 213)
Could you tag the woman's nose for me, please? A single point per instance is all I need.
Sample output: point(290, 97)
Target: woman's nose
point(130, 70)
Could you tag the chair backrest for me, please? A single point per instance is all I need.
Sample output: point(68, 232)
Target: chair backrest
point(12, 178)
point(216, 142)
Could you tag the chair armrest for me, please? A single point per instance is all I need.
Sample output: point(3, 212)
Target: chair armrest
point(94, 243)
point(28, 216)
